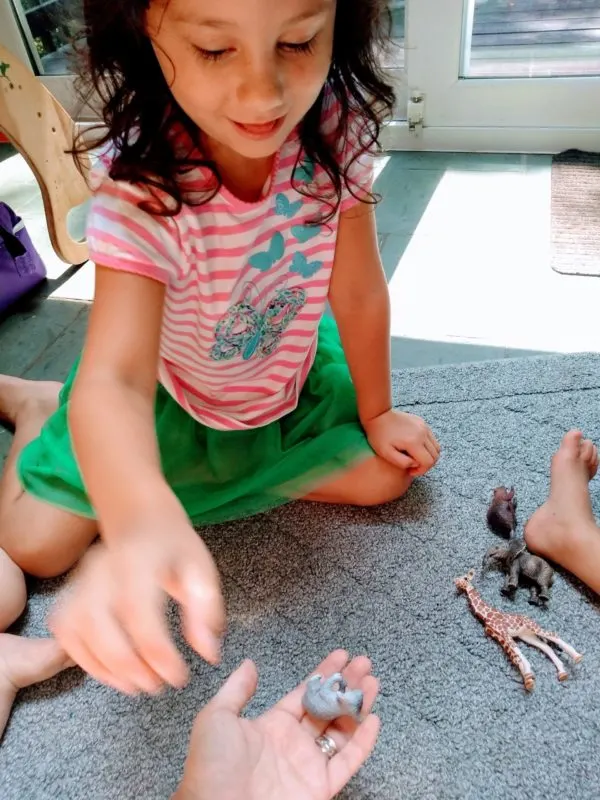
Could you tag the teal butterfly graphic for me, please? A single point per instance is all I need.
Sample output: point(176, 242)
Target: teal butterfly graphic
point(306, 171)
point(247, 331)
point(303, 233)
point(303, 266)
point(268, 258)
point(285, 208)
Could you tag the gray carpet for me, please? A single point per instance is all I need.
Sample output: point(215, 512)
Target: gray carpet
point(575, 213)
point(303, 580)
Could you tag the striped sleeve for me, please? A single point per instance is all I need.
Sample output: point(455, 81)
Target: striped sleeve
point(122, 236)
point(359, 165)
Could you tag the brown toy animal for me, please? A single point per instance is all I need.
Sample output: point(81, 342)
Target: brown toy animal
point(502, 511)
point(521, 568)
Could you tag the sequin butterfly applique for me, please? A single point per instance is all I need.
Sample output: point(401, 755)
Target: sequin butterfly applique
point(268, 258)
point(248, 331)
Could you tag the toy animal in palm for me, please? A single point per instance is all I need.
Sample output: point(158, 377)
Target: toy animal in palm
point(331, 698)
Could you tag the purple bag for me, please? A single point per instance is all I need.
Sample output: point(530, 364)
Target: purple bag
point(21, 267)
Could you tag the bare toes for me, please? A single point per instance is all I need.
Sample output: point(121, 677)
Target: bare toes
point(589, 455)
point(571, 443)
point(587, 451)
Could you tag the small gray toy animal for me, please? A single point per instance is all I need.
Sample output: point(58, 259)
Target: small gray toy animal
point(330, 698)
point(502, 511)
point(521, 568)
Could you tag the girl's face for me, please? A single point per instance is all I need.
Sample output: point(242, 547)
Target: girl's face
point(245, 71)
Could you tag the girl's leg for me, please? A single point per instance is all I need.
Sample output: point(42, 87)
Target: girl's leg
point(44, 541)
point(22, 661)
point(35, 538)
point(370, 483)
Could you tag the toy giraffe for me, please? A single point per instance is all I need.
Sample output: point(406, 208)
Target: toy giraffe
point(505, 628)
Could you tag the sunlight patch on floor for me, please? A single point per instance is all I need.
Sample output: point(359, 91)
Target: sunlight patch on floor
point(477, 269)
point(79, 286)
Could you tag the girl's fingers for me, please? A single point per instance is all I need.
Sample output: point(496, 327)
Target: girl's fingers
point(400, 458)
point(434, 442)
point(196, 587)
point(79, 652)
point(140, 609)
point(351, 754)
point(115, 651)
point(434, 454)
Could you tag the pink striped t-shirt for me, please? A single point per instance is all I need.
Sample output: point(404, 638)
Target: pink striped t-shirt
point(246, 282)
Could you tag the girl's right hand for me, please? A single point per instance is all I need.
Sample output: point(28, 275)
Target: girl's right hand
point(111, 618)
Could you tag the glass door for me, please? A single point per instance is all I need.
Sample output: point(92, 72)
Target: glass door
point(504, 75)
point(520, 75)
point(39, 32)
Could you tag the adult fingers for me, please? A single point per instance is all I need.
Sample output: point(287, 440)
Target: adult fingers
point(346, 726)
point(353, 754)
point(237, 690)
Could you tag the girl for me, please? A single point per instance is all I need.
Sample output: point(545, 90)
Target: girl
point(235, 203)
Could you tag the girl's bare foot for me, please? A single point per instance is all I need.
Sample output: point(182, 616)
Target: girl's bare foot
point(26, 661)
point(18, 396)
point(560, 530)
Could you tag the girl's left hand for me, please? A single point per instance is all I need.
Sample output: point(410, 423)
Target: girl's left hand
point(403, 440)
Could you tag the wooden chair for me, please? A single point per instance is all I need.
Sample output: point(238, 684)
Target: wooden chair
point(41, 130)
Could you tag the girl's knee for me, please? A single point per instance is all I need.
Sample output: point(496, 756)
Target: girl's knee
point(13, 591)
point(42, 540)
point(382, 483)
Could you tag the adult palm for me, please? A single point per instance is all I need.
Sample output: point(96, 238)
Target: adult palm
point(275, 755)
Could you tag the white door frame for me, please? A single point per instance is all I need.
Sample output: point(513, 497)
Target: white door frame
point(489, 114)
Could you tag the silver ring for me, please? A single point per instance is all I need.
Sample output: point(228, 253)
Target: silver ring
point(327, 745)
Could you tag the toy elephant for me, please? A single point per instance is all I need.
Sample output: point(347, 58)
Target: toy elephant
point(331, 698)
point(521, 568)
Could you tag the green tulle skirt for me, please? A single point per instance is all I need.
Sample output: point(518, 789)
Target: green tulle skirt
point(220, 476)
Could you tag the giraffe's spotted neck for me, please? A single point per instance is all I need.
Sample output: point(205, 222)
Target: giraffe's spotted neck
point(478, 604)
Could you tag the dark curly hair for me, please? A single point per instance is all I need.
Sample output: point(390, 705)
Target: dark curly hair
point(116, 62)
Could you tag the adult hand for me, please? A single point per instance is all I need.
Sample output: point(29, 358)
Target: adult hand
point(276, 756)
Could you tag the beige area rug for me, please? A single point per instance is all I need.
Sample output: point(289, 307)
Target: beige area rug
point(575, 213)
